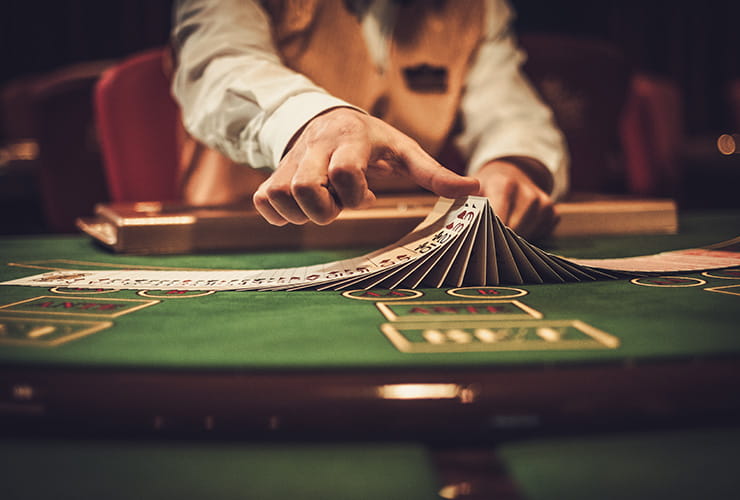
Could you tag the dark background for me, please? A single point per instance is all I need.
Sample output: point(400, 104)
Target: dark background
point(695, 45)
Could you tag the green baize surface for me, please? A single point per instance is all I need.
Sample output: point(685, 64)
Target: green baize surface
point(308, 329)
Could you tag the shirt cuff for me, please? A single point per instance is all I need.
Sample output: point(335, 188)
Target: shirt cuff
point(291, 116)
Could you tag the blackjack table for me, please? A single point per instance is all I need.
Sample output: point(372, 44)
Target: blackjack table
point(624, 388)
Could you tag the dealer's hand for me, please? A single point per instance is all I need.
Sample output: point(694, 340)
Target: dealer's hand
point(517, 199)
point(326, 169)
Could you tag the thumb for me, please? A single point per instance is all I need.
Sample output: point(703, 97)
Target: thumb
point(429, 174)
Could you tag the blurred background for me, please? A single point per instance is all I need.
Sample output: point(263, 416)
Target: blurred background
point(681, 60)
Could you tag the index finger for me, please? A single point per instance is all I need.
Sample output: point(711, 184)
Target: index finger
point(429, 174)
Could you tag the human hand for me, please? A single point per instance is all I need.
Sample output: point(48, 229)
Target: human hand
point(517, 199)
point(326, 169)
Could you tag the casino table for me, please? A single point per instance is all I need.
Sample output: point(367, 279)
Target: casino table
point(547, 376)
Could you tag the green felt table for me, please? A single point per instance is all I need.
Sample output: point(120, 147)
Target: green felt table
point(297, 330)
point(612, 357)
point(491, 358)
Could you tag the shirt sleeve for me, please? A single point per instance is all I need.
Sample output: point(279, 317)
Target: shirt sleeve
point(234, 92)
point(502, 113)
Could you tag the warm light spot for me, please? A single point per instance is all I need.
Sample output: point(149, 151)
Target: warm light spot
point(21, 150)
point(26, 150)
point(419, 391)
point(728, 144)
point(161, 220)
point(452, 491)
point(23, 392)
point(148, 207)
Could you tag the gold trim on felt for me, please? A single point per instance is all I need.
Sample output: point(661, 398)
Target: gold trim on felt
point(708, 274)
point(723, 289)
point(452, 291)
point(144, 293)
point(142, 304)
point(598, 338)
point(93, 327)
point(390, 315)
point(82, 291)
point(699, 281)
point(416, 295)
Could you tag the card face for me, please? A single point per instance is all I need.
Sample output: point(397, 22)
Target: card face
point(460, 242)
point(447, 264)
point(696, 259)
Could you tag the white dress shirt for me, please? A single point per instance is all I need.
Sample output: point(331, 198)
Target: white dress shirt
point(237, 96)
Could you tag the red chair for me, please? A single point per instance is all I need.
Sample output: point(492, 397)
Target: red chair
point(623, 130)
point(585, 83)
point(137, 127)
point(652, 133)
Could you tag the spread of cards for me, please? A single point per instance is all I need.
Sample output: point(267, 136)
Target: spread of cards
point(461, 242)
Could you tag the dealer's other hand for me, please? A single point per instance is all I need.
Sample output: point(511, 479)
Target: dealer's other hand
point(326, 168)
point(517, 198)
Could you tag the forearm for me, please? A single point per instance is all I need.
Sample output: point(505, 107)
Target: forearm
point(234, 91)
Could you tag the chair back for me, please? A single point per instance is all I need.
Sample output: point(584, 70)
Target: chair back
point(137, 126)
point(616, 123)
point(585, 82)
point(623, 128)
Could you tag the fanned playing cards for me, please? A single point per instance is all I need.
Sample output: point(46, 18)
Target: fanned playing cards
point(461, 242)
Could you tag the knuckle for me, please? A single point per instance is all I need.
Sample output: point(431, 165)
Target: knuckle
point(277, 192)
point(305, 182)
point(305, 187)
point(345, 173)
